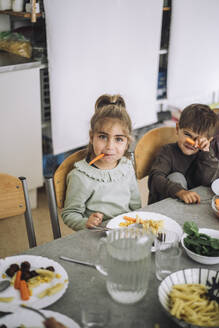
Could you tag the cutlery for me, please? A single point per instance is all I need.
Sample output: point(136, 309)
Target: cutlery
point(68, 259)
point(4, 285)
point(32, 309)
point(100, 228)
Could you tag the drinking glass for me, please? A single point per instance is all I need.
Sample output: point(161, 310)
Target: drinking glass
point(167, 254)
point(94, 314)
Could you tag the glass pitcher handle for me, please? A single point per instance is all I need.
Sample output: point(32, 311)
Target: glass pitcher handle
point(101, 264)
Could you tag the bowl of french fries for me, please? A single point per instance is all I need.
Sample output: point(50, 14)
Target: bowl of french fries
point(190, 297)
point(215, 205)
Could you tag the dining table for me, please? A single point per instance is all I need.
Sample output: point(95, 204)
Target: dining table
point(86, 284)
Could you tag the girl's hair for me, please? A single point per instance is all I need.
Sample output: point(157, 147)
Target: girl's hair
point(107, 107)
point(199, 118)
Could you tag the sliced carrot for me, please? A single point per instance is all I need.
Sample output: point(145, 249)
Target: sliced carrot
point(96, 159)
point(217, 201)
point(24, 290)
point(190, 141)
point(17, 280)
point(127, 218)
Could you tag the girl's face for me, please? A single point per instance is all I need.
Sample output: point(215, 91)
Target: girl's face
point(109, 139)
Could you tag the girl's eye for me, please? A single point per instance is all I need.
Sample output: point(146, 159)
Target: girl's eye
point(102, 136)
point(119, 139)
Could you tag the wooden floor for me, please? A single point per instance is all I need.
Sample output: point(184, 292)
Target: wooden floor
point(13, 238)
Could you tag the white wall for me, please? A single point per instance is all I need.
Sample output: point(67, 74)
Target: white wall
point(193, 65)
point(96, 47)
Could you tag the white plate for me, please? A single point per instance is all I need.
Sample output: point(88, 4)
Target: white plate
point(169, 224)
point(31, 319)
point(201, 258)
point(36, 263)
point(215, 186)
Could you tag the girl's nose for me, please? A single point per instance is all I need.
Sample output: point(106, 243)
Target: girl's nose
point(109, 144)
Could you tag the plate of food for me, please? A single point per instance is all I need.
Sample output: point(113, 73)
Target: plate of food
point(154, 222)
point(201, 245)
point(34, 280)
point(25, 318)
point(190, 297)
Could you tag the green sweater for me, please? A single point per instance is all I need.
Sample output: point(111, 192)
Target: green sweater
point(89, 190)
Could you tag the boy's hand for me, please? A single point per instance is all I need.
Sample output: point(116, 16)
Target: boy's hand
point(204, 143)
point(188, 197)
point(94, 220)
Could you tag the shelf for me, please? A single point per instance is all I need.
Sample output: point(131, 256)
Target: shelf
point(19, 14)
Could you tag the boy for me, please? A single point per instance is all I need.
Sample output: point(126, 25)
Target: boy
point(190, 161)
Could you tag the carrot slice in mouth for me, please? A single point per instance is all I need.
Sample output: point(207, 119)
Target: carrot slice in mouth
point(190, 141)
point(96, 158)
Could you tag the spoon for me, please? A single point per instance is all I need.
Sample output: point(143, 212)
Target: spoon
point(33, 309)
point(4, 284)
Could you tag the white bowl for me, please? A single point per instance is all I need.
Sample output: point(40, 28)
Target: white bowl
point(216, 211)
point(215, 186)
point(200, 258)
point(186, 276)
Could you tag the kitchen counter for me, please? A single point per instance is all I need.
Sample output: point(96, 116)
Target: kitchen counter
point(12, 62)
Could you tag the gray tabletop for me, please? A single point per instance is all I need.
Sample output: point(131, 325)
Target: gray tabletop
point(87, 284)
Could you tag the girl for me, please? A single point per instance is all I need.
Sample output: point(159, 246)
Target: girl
point(108, 187)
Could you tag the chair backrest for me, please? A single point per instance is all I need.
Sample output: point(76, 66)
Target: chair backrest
point(56, 188)
point(148, 146)
point(14, 200)
point(61, 173)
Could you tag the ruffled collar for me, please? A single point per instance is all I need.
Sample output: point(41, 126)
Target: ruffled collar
point(122, 169)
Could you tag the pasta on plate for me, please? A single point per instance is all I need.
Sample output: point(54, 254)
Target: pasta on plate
point(189, 302)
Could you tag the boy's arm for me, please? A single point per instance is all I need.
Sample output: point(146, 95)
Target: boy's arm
point(158, 182)
point(206, 168)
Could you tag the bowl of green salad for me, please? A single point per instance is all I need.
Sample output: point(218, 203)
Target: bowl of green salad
point(201, 245)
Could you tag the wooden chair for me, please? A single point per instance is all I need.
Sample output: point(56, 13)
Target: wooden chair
point(14, 200)
point(56, 188)
point(148, 146)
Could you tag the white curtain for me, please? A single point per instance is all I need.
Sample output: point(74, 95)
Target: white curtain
point(193, 65)
point(96, 47)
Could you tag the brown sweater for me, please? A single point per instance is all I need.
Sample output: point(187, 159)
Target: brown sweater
point(201, 168)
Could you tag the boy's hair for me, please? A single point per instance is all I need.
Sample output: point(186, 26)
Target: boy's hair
point(199, 118)
point(112, 107)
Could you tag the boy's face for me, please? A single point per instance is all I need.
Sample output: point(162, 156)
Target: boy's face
point(184, 145)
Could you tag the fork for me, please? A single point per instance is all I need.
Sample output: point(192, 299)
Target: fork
point(161, 236)
point(100, 228)
point(33, 309)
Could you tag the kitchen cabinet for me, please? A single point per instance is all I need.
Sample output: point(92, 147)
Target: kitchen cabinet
point(20, 126)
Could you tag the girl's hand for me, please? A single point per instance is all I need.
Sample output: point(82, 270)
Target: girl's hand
point(204, 143)
point(94, 220)
point(188, 197)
